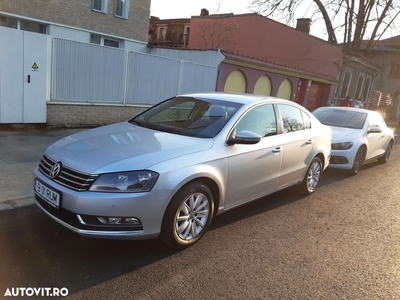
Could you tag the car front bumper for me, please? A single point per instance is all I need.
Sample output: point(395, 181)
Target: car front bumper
point(80, 211)
point(342, 159)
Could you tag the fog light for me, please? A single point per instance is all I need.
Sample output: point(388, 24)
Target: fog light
point(114, 220)
point(131, 221)
point(119, 221)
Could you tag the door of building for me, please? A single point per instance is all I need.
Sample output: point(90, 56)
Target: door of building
point(315, 96)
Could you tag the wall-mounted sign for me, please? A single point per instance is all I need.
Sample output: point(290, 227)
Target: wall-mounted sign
point(35, 67)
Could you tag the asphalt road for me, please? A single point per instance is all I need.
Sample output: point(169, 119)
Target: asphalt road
point(342, 242)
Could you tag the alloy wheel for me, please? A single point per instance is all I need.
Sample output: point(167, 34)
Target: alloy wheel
point(314, 175)
point(359, 160)
point(192, 216)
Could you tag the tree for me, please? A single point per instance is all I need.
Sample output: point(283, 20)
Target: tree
point(354, 20)
point(216, 31)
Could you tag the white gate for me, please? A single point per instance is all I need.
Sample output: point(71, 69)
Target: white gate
point(24, 76)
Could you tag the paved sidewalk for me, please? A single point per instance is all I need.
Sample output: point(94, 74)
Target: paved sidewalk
point(20, 152)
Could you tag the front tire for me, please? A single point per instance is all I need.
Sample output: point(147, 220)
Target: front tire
point(312, 177)
point(386, 156)
point(187, 216)
point(358, 160)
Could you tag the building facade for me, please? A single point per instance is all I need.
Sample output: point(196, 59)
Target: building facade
point(114, 23)
point(261, 56)
point(173, 33)
point(266, 57)
point(386, 53)
point(357, 76)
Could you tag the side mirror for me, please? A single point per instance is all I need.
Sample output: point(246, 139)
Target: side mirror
point(244, 138)
point(375, 130)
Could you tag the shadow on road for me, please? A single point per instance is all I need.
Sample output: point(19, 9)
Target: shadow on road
point(41, 253)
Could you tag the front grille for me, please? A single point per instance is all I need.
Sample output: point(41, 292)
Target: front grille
point(67, 177)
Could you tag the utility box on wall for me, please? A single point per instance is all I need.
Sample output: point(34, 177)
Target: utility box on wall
point(24, 80)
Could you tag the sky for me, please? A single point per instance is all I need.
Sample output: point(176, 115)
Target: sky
point(171, 9)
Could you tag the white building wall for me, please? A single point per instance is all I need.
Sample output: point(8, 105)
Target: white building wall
point(69, 33)
point(208, 57)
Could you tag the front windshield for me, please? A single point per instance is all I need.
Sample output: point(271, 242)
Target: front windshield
point(340, 117)
point(188, 116)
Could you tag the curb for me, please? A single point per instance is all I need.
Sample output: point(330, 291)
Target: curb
point(16, 203)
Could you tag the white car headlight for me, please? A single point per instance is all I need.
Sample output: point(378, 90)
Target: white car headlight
point(125, 182)
point(342, 146)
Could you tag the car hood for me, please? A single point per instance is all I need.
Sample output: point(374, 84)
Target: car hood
point(341, 134)
point(122, 147)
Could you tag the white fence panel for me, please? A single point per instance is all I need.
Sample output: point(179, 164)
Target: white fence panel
point(198, 78)
point(151, 78)
point(85, 72)
point(88, 73)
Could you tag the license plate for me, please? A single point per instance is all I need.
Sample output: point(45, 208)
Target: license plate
point(49, 195)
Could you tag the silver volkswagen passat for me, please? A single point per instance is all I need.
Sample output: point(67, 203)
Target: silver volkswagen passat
point(168, 171)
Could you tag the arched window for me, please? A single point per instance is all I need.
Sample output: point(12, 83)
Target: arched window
point(235, 83)
point(285, 90)
point(263, 86)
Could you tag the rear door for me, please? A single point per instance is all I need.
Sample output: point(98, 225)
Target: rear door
point(297, 146)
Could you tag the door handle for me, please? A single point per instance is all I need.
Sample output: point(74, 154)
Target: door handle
point(309, 142)
point(277, 150)
point(29, 78)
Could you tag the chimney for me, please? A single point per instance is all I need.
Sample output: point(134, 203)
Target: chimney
point(304, 25)
point(204, 12)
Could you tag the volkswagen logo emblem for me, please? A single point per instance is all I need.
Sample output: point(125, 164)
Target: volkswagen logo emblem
point(55, 170)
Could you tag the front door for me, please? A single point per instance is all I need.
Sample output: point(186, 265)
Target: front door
point(253, 170)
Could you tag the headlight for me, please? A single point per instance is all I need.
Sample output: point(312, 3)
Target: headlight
point(342, 146)
point(125, 182)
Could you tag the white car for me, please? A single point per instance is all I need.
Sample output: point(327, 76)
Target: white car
point(358, 135)
point(167, 172)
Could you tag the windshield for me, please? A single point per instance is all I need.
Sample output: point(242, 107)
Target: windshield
point(188, 116)
point(341, 117)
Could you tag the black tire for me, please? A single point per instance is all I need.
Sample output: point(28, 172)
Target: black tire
point(386, 156)
point(312, 177)
point(359, 160)
point(183, 225)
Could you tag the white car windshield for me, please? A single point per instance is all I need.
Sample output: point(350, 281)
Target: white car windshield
point(341, 118)
point(188, 116)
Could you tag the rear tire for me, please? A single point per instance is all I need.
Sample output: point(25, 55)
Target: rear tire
point(386, 156)
point(358, 160)
point(187, 216)
point(312, 177)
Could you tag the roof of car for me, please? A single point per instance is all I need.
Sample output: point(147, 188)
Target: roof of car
point(348, 109)
point(233, 97)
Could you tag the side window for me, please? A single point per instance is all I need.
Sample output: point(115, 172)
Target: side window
point(376, 121)
point(291, 117)
point(260, 119)
point(306, 120)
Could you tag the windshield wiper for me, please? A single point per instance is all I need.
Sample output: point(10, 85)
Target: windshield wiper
point(169, 129)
